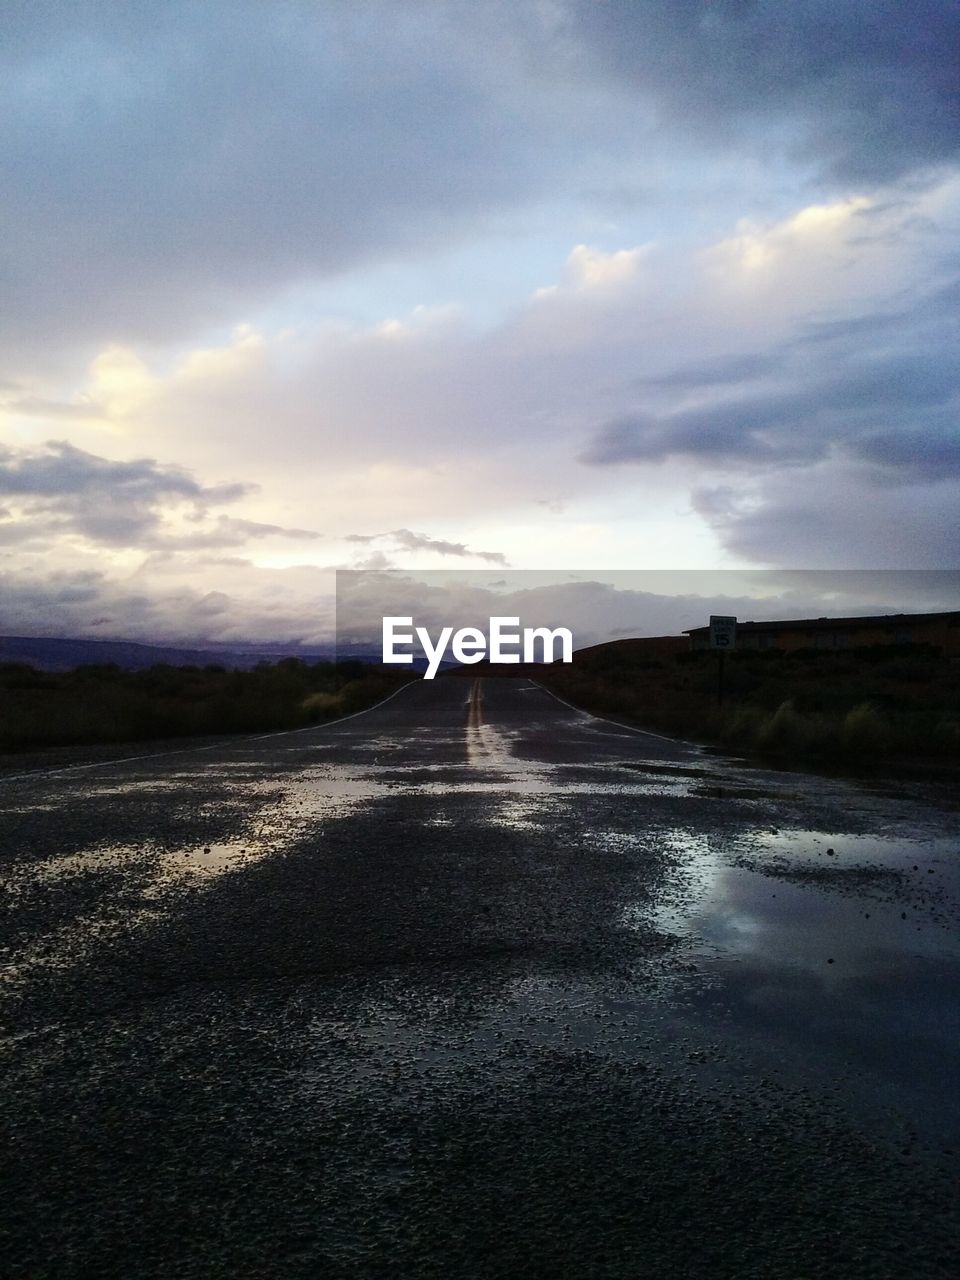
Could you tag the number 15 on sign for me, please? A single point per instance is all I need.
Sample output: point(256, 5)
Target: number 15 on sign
point(723, 632)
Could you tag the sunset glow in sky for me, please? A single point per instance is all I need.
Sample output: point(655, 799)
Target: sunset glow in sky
point(287, 286)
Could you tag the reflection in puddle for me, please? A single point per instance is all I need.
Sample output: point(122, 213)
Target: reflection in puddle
point(137, 886)
point(207, 862)
point(491, 749)
point(132, 887)
point(833, 962)
point(526, 789)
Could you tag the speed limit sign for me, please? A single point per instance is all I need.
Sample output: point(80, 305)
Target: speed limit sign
point(723, 632)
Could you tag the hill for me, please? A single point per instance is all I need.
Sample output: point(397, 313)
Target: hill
point(843, 707)
point(49, 653)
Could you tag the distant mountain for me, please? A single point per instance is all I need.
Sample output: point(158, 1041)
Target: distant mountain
point(57, 654)
point(46, 653)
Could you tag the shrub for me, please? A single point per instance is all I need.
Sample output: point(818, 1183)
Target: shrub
point(946, 736)
point(743, 726)
point(791, 732)
point(322, 706)
point(107, 704)
point(865, 730)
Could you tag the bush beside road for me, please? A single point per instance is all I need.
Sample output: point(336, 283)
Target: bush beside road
point(41, 709)
point(843, 708)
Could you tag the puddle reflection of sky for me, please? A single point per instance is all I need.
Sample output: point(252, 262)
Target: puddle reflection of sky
point(852, 980)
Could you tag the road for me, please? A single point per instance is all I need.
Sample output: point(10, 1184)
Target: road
point(474, 984)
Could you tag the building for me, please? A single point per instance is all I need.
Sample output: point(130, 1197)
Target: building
point(939, 629)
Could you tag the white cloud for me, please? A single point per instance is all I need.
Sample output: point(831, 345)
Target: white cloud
point(456, 434)
point(588, 267)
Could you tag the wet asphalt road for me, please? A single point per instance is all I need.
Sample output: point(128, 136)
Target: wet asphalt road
point(476, 985)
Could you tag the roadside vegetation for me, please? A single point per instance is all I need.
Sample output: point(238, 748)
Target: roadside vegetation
point(107, 704)
point(841, 707)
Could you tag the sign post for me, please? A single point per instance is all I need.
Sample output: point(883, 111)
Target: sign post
point(723, 636)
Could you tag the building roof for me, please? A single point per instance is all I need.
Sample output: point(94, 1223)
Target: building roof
point(831, 624)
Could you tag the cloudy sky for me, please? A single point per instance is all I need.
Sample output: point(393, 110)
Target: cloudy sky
point(287, 285)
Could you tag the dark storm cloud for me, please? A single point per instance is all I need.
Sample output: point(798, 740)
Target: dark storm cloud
point(862, 410)
point(739, 368)
point(163, 161)
point(65, 472)
point(882, 390)
point(916, 452)
point(936, 311)
point(227, 531)
point(65, 490)
point(407, 540)
point(826, 517)
point(88, 603)
point(167, 164)
point(868, 89)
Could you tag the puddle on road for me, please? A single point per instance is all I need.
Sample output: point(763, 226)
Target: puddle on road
point(841, 965)
point(658, 768)
point(160, 864)
point(782, 982)
point(138, 885)
point(921, 877)
point(134, 886)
